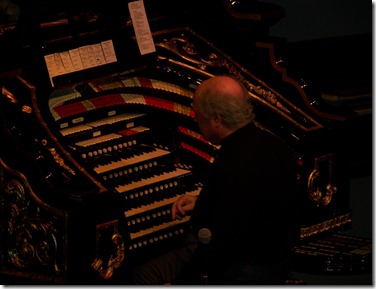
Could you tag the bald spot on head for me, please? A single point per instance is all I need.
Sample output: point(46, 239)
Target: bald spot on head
point(220, 85)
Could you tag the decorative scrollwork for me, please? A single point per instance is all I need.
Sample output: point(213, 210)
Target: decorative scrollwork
point(21, 248)
point(15, 190)
point(182, 47)
point(57, 158)
point(32, 241)
point(30, 231)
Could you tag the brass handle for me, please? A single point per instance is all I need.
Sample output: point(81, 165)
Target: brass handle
point(114, 262)
point(316, 196)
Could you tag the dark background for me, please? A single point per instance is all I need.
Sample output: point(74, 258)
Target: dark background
point(330, 44)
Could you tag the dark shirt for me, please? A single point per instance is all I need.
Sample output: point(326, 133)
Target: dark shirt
point(249, 201)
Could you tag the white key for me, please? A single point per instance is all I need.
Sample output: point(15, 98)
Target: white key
point(98, 140)
point(114, 119)
point(144, 182)
point(157, 204)
point(130, 161)
point(75, 129)
point(158, 228)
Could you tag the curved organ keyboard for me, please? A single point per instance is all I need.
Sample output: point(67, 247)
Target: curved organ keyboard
point(106, 125)
point(110, 154)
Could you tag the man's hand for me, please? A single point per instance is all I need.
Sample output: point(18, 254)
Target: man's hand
point(183, 205)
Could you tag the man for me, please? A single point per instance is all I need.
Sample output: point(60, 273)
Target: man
point(248, 204)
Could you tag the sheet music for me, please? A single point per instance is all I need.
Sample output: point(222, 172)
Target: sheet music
point(80, 58)
point(141, 27)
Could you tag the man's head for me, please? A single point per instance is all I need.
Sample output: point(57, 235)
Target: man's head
point(222, 106)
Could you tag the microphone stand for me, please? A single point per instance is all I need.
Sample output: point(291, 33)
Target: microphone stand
point(204, 238)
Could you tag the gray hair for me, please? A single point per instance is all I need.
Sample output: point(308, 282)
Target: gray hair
point(234, 111)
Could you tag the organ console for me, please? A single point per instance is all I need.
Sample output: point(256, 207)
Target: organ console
point(92, 158)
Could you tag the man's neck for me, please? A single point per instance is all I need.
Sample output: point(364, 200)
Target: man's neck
point(229, 131)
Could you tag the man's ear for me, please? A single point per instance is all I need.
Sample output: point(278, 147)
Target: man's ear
point(217, 119)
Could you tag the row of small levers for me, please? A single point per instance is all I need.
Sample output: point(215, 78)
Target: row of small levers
point(149, 198)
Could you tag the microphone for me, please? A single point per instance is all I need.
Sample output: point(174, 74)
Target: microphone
point(204, 237)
